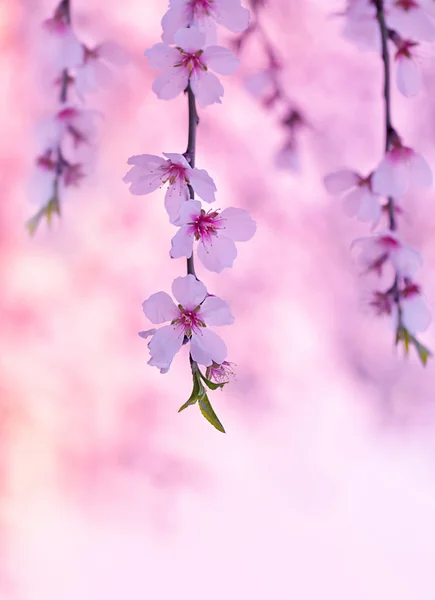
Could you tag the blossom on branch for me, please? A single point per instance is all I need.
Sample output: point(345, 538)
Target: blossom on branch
point(359, 199)
point(190, 319)
point(93, 73)
point(190, 62)
point(204, 14)
point(408, 76)
point(401, 169)
point(379, 249)
point(411, 18)
point(216, 233)
point(150, 172)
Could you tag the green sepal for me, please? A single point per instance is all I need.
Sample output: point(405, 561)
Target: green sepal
point(52, 207)
point(408, 339)
point(208, 413)
point(197, 391)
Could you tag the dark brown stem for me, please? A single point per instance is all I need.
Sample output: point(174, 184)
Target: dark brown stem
point(190, 156)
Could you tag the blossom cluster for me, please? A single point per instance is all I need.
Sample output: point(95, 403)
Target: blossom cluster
point(379, 197)
point(266, 85)
point(81, 70)
point(187, 60)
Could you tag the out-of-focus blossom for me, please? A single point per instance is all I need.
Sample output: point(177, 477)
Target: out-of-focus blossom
point(411, 18)
point(78, 123)
point(204, 14)
point(216, 233)
point(195, 312)
point(149, 172)
point(191, 62)
point(94, 73)
point(260, 83)
point(62, 45)
point(408, 76)
point(375, 251)
point(401, 169)
point(359, 199)
point(287, 156)
point(361, 26)
point(415, 314)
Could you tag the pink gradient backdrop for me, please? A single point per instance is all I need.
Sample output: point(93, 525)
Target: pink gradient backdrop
point(324, 485)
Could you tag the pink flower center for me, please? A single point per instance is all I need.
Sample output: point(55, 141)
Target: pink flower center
point(174, 172)
point(66, 114)
point(399, 153)
point(191, 61)
point(189, 320)
point(404, 49)
point(407, 5)
point(199, 8)
point(388, 243)
point(206, 225)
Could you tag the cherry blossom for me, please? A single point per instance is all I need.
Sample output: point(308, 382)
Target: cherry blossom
point(62, 45)
point(220, 373)
point(411, 19)
point(361, 26)
point(79, 124)
point(150, 172)
point(191, 62)
point(401, 168)
point(216, 233)
point(359, 200)
point(196, 311)
point(408, 77)
point(414, 313)
point(203, 14)
point(377, 250)
point(94, 73)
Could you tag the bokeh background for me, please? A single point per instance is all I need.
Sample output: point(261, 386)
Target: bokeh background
point(324, 485)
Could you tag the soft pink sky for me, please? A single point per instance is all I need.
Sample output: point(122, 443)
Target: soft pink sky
point(324, 485)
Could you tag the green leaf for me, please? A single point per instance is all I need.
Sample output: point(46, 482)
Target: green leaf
point(207, 412)
point(52, 207)
point(197, 391)
point(423, 352)
point(210, 384)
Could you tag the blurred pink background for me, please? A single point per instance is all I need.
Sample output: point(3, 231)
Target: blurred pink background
point(324, 485)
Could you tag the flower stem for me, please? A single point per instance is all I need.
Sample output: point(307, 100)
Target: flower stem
point(190, 155)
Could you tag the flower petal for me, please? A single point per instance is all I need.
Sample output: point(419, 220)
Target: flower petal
point(164, 345)
point(189, 211)
point(207, 347)
point(176, 194)
point(220, 59)
point(238, 224)
point(190, 39)
point(215, 311)
point(202, 184)
point(408, 77)
point(170, 83)
point(420, 172)
point(188, 291)
point(177, 159)
point(206, 87)
point(217, 255)
point(391, 178)
point(415, 314)
point(340, 181)
point(182, 243)
point(160, 308)
point(162, 56)
point(173, 20)
point(232, 15)
point(352, 201)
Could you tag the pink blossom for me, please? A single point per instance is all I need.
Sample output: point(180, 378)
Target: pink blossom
point(415, 315)
point(410, 18)
point(203, 14)
point(361, 26)
point(196, 310)
point(359, 200)
point(62, 44)
point(149, 172)
point(79, 124)
point(93, 73)
point(216, 233)
point(190, 62)
point(377, 250)
point(220, 373)
point(401, 168)
point(408, 77)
